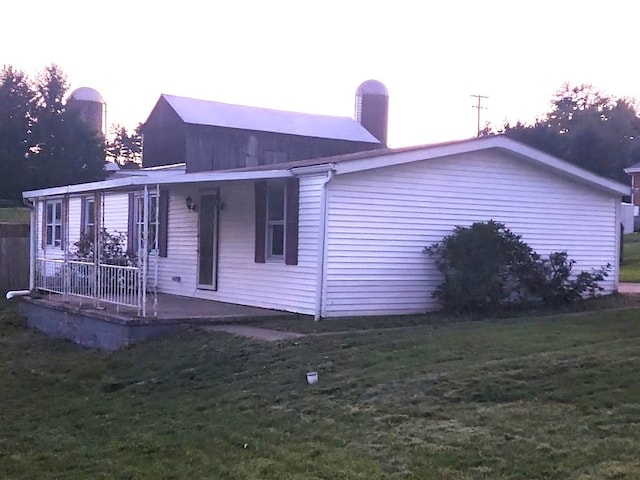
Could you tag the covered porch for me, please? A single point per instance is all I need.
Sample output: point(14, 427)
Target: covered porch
point(106, 244)
point(137, 256)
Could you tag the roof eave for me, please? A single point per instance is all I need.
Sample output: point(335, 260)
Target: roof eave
point(160, 178)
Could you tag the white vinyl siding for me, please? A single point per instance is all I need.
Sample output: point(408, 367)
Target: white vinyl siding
point(380, 221)
point(240, 279)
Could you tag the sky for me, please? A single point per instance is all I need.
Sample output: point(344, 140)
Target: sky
point(311, 56)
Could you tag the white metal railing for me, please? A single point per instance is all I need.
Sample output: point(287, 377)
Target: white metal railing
point(119, 285)
point(49, 275)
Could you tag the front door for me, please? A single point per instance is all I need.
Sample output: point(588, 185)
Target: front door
point(208, 240)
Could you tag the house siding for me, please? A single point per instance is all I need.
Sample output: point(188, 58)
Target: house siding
point(380, 220)
point(240, 279)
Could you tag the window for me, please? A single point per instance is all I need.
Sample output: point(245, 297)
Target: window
point(53, 223)
point(157, 224)
point(276, 228)
point(276, 206)
point(88, 218)
point(152, 221)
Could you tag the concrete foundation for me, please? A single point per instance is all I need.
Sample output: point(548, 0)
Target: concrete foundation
point(91, 331)
point(109, 328)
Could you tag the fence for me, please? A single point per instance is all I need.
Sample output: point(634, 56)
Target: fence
point(14, 257)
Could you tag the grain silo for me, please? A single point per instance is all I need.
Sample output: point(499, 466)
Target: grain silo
point(90, 105)
point(372, 108)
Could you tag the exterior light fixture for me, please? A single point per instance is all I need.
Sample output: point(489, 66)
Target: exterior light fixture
point(190, 205)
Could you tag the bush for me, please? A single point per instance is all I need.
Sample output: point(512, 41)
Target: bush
point(112, 249)
point(486, 268)
point(556, 286)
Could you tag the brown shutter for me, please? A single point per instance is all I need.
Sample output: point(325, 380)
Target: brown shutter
point(131, 225)
point(261, 220)
point(291, 221)
point(163, 220)
point(83, 208)
point(64, 227)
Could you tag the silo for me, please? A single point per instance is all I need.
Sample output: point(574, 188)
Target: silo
point(90, 105)
point(372, 108)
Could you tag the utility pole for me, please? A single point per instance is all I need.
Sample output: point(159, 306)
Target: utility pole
point(479, 107)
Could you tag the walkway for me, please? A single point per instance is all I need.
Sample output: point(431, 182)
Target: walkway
point(629, 288)
point(257, 333)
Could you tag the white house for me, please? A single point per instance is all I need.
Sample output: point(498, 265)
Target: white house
point(330, 237)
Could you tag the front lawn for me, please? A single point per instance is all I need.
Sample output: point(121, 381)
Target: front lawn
point(546, 398)
point(630, 268)
point(14, 214)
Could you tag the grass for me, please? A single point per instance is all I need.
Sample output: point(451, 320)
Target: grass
point(630, 268)
point(14, 214)
point(553, 398)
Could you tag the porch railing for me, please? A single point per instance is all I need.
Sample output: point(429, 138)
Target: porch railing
point(115, 284)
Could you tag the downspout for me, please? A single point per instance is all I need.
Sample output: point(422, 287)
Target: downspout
point(17, 293)
point(33, 241)
point(322, 247)
point(619, 240)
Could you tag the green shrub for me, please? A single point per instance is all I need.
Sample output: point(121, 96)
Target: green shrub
point(556, 285)
point(112, 249)
point(486, 268)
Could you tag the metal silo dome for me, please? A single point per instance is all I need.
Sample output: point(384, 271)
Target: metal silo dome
point(86, 94)
point(90, 106)
point(372, 87)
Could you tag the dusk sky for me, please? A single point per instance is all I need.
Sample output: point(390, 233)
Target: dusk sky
point(311, 56)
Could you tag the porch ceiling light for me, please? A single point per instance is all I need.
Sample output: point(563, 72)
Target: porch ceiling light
point(190, 205)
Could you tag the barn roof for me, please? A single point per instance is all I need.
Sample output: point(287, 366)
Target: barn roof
point(205, 112)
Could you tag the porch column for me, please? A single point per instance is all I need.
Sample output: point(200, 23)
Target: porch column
point(98, 198)
point(145, 250)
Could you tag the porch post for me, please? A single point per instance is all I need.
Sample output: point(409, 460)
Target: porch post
point(145, 250)
point(64, 240)
point(97, 243)
point(157, 240)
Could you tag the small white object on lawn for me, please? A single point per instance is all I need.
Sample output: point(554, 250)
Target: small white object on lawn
point(312, 377)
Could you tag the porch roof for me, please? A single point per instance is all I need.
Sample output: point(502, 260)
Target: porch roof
point(158, 177)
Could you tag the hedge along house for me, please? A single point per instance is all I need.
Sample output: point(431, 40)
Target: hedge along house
point(276, 221)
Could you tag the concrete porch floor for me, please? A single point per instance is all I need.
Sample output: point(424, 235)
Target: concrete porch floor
point(167, 309)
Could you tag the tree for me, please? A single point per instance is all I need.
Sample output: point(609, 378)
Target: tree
point(65, 150)
point(585, 127)
point(17, 100)
point(125, 148)
point(43, 144)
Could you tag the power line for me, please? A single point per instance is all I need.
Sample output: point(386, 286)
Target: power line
point(479, 107)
